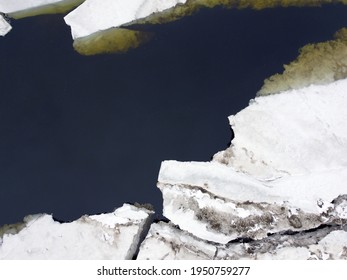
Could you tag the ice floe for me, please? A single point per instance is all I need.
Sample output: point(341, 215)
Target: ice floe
point(283, 170)
point(5, 27)
point(115, 235)
point(95, 15)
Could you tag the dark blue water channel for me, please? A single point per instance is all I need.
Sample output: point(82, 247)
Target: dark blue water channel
point(81, 135)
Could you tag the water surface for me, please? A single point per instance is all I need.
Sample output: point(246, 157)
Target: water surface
point(81, 135)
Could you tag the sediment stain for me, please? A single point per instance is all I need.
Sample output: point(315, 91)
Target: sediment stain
point(113, 40)
point(320, 63)
point(60, 7)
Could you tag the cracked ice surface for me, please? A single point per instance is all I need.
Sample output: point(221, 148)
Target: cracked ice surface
point(113, 235)
point(283, 171)
point(167, 242)
point(96, 15)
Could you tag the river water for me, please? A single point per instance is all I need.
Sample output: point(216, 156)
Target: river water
point(81, 135)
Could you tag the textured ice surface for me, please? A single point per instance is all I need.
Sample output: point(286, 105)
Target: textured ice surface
point(283, 171)
point(167, 242)
point(114, 235)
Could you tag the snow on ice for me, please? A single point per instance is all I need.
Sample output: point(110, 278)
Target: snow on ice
point(114, 235)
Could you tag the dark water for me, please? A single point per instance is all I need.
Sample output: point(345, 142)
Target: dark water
point(84, 134)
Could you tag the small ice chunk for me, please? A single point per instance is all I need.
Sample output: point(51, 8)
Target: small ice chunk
point(5, 27)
